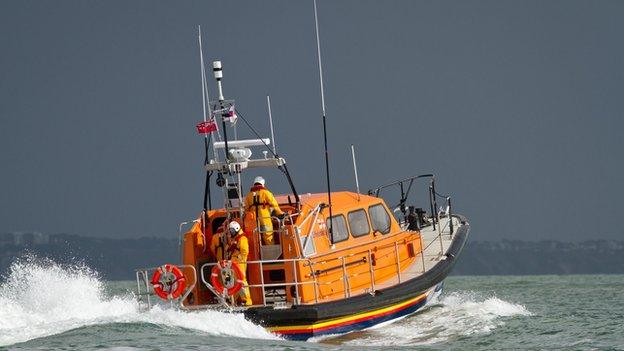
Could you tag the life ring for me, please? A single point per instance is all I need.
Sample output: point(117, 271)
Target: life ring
point(168, 282)
point(226, 277)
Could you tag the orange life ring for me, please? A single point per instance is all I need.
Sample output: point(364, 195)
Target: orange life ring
point(168, 282)
point(226, 276)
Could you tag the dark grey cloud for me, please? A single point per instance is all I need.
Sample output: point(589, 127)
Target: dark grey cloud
point(516, 106)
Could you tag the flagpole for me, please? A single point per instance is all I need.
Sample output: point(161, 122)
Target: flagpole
point(320, 65)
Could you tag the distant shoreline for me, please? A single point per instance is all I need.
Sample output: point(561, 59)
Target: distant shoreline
point(116, 259)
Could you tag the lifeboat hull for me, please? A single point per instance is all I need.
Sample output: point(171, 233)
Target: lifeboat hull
point(302, 322)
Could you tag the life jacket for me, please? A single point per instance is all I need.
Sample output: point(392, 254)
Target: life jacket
point(258, 201)
point(239, 247)
point(217, 246)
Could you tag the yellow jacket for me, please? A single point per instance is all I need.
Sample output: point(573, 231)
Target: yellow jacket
point(239, 248)
point(261, 200)
point(215, 246)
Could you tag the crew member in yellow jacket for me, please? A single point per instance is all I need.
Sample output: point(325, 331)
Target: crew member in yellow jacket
point(218, 245)
point(238, 250)
point(258, 204)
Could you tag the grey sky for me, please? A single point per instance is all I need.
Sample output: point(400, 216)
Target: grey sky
point(516, 106)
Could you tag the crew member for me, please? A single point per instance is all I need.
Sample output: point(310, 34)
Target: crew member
point(259, 202)
point(217, 245)
point(238, 249)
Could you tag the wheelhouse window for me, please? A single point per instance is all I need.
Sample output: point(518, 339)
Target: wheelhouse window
point(307, 242)
point(358, 223)
point(338, 227)
point(380, 218)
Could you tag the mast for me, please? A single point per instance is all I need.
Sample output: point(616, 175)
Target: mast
point(218, 74)
point(320, 65)
point(207, 198)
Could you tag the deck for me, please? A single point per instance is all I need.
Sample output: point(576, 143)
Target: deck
point(436, 243)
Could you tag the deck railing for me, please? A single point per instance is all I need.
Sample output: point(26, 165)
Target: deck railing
point(308, 271)
point(313, 276)
point(144, 282)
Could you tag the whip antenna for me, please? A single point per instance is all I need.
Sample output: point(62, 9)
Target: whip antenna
point(271, 125)
point(320, 65)
point(357, 182)
point(207, 199)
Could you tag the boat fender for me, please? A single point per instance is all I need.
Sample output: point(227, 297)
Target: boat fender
point(168, 282)
point(226, 277)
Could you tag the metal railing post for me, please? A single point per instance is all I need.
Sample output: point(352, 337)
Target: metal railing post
point(262, 282)
point(431, 196)
point(345, 279)
point(147, 287)
point(450, 215)
point(398, 260)
point(316, 286)
point(297, 301)
point(422, 253)
point(435, 202)
point(437, 215)
point(441, 243)
point(137, 273)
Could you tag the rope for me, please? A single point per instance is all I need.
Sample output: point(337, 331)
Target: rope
point(441, 195)
point(255, 132)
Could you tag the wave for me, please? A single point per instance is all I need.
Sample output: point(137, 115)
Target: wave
point(39, 298)
point(452, 316)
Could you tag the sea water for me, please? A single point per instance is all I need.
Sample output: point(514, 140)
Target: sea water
point(44, 306)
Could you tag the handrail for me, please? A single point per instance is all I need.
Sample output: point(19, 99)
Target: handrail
point(262, 284)
point(322, 271)
point(433, 195)
point(305, 243)
point(143, 272)
point(378, 189)
point(405, 193)
point(308, 216)
point(180, 235)
point(389, 255)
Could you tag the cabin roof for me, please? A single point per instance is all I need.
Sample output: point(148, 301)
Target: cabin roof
point(342, 200)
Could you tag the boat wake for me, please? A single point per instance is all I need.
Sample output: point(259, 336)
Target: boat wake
point(452, 316)
point(39, 298)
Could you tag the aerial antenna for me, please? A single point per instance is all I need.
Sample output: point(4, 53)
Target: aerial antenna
point(207, 199)
point(271, 125)
point(357, 182)
point(320, 65)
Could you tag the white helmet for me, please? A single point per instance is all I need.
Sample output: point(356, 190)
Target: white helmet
point(259, 180)
point(234, 227)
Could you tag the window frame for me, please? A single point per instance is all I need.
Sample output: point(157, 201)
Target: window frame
point(387, 216)
point(330, 222)
point(310, 243)
point(367, 223)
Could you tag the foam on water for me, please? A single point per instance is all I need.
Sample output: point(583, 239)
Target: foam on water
point(454, 315)
point(40, 298)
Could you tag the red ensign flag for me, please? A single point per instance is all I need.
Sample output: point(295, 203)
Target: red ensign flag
point(207, 127)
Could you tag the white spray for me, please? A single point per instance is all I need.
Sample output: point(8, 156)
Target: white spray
point(39, 298)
